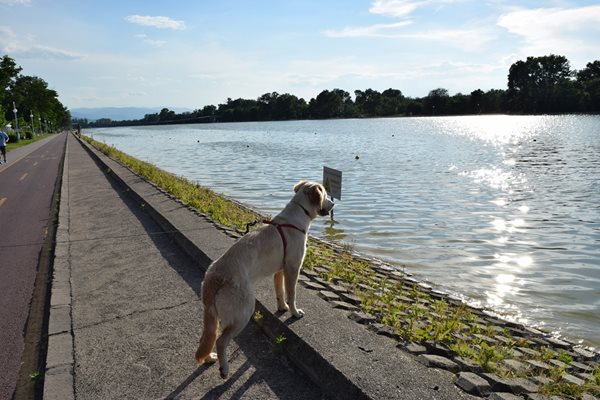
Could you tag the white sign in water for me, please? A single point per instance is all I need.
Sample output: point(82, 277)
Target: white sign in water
point(332, 180)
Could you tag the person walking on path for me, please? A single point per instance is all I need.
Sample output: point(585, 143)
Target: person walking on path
point(3, 140)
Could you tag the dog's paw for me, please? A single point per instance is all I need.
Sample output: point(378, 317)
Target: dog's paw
point(283, 307)
point(224, 371)
point(211, 359)
point(298, 313)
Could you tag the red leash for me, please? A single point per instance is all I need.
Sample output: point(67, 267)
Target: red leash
point(280, 230)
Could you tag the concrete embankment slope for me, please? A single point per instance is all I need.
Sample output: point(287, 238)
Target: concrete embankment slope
point(125, 316)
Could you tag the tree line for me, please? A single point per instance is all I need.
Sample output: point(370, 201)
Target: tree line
point(31, 96)
point(537, 85)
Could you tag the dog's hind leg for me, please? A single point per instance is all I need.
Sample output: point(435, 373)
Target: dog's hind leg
point(280, 291)
point(209, 337)
point(229, 332)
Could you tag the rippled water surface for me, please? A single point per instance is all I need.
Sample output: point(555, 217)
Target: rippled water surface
point(504, 210)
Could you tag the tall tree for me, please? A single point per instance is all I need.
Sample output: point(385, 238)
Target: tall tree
point(9, 71)
point(436, 102)
point(329, 104)
point(589, 80)
point(536, 85)
point(391, 102)
point(31, 95)
point(367, 102)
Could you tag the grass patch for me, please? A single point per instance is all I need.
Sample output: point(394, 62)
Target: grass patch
point(24, 142)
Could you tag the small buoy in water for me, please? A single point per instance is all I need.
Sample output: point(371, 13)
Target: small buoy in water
point(356, 157)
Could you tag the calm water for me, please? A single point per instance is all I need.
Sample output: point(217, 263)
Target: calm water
point(503, 210)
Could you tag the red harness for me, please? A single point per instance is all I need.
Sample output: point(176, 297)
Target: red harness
point(280, 230)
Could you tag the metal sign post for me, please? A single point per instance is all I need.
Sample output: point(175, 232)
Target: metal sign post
point(332, 181)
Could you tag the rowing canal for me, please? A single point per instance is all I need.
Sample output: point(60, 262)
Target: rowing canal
point(502, 210)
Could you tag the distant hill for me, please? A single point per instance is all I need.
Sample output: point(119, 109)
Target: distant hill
point(118, 113)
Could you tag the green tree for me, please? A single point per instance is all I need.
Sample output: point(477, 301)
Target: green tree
point(459, 104)
point(367, 102)
point(436, 102)
point(8, 73)
point(166, 115)
point(391, 102)
point(536, 85)
point(209, 110)
point(589, 81)
point(414, 107)
point(288, 106)
point(494, 101)
point(31, 95)
point(476, 101)
point(330, 104)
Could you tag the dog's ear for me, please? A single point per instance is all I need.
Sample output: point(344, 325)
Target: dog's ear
point(299, 185)
point(316, 194)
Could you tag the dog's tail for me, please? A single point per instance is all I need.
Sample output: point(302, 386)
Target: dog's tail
point(211, 324)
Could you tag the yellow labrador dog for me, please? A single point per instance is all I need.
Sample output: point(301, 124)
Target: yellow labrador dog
point(278, 249)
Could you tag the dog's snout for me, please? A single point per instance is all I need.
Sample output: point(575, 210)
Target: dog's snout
point(327, 207)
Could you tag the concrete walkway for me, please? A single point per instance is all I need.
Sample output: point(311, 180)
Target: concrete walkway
point(125, 316)
point(125, 311)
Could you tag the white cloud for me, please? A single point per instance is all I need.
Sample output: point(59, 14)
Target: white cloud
point(16, 2)
point(395, 8)
point(25, 47)
point(472, 39)
point(46, 52)
point(373, 30)
point(403, 8)
point(151, 42)
point(156, 22)
point(555, 30)
point(467, 39)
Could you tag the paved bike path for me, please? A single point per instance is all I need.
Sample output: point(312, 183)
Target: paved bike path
point(27, 185)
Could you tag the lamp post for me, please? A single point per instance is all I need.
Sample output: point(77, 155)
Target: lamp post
point(32, 126)
point(16, 122)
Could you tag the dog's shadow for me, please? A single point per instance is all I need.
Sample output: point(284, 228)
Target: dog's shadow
point(179, 389)
point(221, 389)
point(287, 321)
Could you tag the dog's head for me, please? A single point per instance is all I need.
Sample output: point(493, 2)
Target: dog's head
point(316, 197)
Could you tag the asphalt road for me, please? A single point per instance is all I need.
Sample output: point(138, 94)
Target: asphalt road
point(26, 188)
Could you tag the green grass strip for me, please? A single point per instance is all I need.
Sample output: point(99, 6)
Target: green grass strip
point(24, 142)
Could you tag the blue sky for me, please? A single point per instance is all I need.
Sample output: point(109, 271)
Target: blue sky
point(193, 53)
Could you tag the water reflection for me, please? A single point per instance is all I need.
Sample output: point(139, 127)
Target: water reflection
point(332, 233)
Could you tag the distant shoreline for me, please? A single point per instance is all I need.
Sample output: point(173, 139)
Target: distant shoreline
point(203, 120)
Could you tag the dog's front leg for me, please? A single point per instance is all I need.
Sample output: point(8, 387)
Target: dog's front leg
point(291, 279)
point(279, 291)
